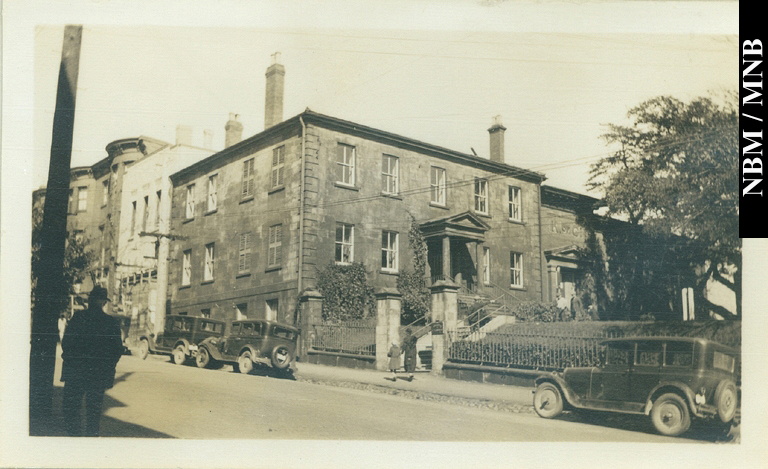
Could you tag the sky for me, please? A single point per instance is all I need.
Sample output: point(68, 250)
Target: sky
point(555, 90)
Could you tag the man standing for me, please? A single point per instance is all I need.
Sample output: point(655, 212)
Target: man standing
point(91, 349)
point(409, 349)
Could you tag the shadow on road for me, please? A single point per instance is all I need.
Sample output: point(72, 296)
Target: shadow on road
point(110, 427)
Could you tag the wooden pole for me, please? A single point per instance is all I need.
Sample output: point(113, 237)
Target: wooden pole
point(51, 292)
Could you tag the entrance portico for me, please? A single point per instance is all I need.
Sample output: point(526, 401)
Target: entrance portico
point(455, 248)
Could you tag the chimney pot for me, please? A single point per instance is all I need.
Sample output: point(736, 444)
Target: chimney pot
point(233, 129)
point(497, 140)
point(273, 105)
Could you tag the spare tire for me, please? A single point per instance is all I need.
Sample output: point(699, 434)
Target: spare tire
point(726, 400)
point(281, 357)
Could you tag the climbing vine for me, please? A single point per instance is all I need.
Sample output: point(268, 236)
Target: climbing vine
point(412, 284)
point(348, 295)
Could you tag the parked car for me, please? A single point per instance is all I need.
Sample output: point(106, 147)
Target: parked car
point(250, 342)
point(180, 337)
point(125, 327)
point(668, 378)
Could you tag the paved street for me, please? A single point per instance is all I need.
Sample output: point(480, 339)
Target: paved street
point(155, 398)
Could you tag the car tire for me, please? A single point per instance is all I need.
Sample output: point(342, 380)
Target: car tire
point(548, 401)
point(726, 400)
point(281, 357)
point(203, 358)
point(179, 355)
point(143, 349)
point(244, 362)
point(670, 415)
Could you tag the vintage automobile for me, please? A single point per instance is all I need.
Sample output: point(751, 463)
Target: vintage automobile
point(180, 337)
point(249, 342)
point(125, 327)
point(668, 378)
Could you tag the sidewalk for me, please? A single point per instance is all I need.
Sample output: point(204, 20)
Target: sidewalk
point(422, 382)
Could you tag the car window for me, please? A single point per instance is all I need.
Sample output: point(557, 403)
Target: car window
point(178, 324)
point(282, 333)
point(618, 354)
point(235, 329)
point(648, 354)
point(723, 361)
point(679, 354)
point(210, 326)
point(247, 328)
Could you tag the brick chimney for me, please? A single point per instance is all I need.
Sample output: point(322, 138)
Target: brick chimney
point(184, 135)
point(273, 107)
point(234, 130)
point(497, 140)
point(208, 139)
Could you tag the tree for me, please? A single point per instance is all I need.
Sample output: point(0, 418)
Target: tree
point(674, 175)
point(412, 284)
point(77, 260)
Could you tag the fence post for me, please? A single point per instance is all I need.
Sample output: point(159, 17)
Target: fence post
point(311, 303)
point(445, 308)
point(388, 307)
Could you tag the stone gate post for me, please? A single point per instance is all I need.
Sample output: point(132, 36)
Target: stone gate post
point(445, 309)
point(388, 307)
point(311, 304)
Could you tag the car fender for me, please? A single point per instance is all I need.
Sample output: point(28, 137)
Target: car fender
point(254, 353)
point(150, 341)
point(183, 342)
point(558, 381)
point(213, 351)
point(671, 386)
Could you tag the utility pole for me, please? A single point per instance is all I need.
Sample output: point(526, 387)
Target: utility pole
point(51, 290)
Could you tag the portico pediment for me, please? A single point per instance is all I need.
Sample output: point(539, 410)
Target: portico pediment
point(463, 225)
point(568, 254)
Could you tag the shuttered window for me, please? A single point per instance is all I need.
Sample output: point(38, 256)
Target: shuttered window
point(275, 255)
point(278, 164)
point(248, 178)
point(244, 254)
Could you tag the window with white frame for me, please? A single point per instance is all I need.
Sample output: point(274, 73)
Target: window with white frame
point(389, 174)
point(145, 215)
point(345, 243)
point(278, 163)
point(186, 268)
point(71, 202)
point(105, 192)
point(486, 266)
point(241, 311)
point(158, 198)
point(210, 258)
point(244, 254)
point(82, 199)
point(275, 254)
point(272, 308)
point(516, 269)
point(481, 196)
point(437, 183)
point(213, 197)
point(389, 259)
point(515, 204)
point(345, 165)
point(190, 211)
point(133, 218)
point(248, 178)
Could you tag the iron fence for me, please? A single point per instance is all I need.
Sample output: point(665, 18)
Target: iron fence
point(357, 337)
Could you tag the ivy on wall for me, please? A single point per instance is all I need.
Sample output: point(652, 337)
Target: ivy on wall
point(348, 295)
point(412, 284)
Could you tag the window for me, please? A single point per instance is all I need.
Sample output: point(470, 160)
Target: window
point(278, 163)
point(190, 201)
point(723, 361)
point(133, 218)
point(389, 174)
point(345, 239)
point(158, 197)
point(241, 311)
point(487, 266)
point(272, 309)
point(516, 269)
point(105, 192)
point(275, 254)
point(437, 182)
point(481, 196)
point(186, 268)
point(206, 313)
point(648, 354)
point(244, 254)
point(209, 262)
point(618, 354)
point(678, 354)
point(71, 202)
point(248, 178)
point(212, 199)
point(515, 211)
point(145, 216)
point(345, 163)
point(82, 199)
point(389, 251)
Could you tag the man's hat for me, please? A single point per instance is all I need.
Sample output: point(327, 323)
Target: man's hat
point(98, 293)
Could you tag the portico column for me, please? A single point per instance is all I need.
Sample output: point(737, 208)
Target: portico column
point(552, 276)
point(388, 307)
point(480, 267)
point(445, 311)
point(447, 258)
point(311, 304)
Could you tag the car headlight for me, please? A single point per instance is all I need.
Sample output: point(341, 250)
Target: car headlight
point(701, 396)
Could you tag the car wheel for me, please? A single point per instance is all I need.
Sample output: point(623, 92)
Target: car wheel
point(726, 400)
point(281, 357)
point(203, 358)
point(244, 362)
point(179, 356)
point(670, 415)
point(143, 349)
point(548, 401)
